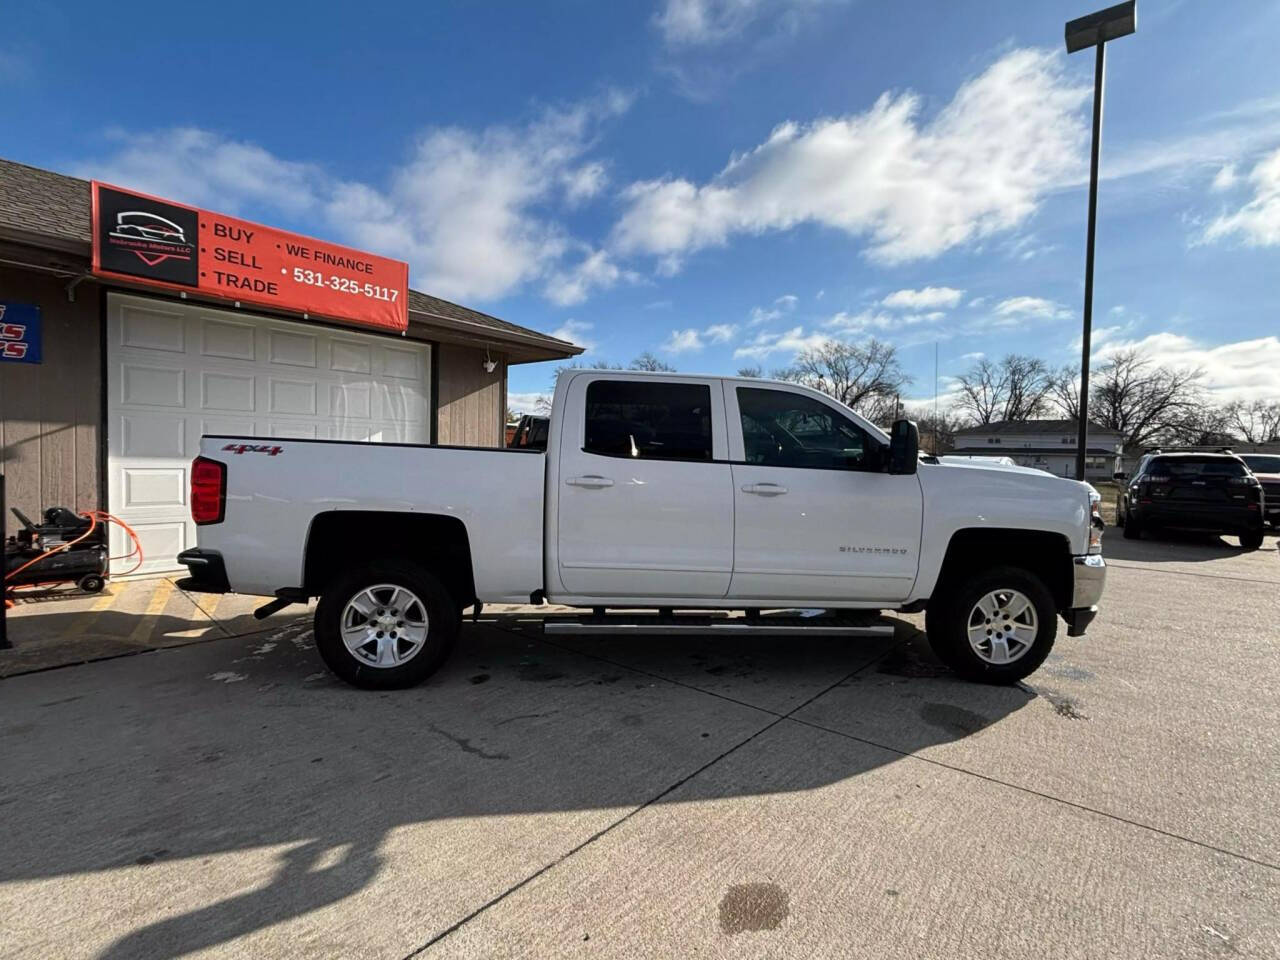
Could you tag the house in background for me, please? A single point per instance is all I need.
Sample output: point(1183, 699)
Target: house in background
point(1045, 444)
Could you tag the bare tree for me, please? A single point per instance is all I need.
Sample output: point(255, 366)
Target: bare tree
point(1016, 388)
point(648, 362)
point(1143, 400)
point(1202, 426)
point(866, 377)
point(755, 373)
point(1255, 422)
point(937, 433)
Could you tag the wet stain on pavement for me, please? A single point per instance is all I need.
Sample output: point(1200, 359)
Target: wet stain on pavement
point(906, 660)
point(954, 720)
point(151, 857)
point(1067, 671)
point(750, 907)
point(538, 673)
point(1064, 706)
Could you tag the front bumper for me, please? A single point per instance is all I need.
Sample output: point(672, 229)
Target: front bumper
point(1089, 577)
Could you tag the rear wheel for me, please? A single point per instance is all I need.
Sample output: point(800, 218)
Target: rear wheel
point(996, 626)
point(1251, 539)
point(386, 625)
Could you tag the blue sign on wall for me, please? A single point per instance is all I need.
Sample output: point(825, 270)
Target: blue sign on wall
point(19, 332)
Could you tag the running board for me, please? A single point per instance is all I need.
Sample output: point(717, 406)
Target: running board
point(663, 629)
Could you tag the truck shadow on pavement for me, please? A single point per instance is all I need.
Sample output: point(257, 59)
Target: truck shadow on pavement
point(164, 780)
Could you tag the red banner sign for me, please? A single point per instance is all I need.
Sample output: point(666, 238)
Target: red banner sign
point(166, 244)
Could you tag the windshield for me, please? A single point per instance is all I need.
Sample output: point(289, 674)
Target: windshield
point(1260, 464)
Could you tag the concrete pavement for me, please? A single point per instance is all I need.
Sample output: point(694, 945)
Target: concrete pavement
point(645, 797)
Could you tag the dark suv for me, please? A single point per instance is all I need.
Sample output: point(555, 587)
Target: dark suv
point(1214, 492)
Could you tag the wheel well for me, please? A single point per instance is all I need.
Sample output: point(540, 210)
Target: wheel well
point(339, 539)
point(1048, 555)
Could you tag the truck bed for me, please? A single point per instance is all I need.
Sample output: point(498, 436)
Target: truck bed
point(277, 487)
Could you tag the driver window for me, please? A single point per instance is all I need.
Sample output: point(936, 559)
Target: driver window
point(782, 429)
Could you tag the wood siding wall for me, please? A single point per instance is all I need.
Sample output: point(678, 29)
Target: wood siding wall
point(472, 402)
point(51, 412)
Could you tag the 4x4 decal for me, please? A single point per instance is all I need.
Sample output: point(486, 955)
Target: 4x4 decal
point(238, 448)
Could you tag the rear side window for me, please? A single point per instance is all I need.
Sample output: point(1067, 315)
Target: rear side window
point(649, 421)
point(1264, 464)
point(1190, 468)
point(783, 429)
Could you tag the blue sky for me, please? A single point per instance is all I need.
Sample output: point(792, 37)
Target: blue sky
point(722, 182)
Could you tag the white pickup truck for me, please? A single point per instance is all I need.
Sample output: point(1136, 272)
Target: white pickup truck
point(657, 491)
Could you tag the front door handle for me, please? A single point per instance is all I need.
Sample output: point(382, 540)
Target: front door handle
point(591, 480)
point(764, 489)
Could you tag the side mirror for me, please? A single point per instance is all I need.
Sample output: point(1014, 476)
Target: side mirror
point(904, 447)
point(1119, 475)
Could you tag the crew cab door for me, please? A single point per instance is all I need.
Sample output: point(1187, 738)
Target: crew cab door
point(644, 492)
point(817, 518)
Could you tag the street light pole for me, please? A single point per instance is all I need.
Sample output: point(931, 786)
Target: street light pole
point(1094, 31)
point(1082, 436)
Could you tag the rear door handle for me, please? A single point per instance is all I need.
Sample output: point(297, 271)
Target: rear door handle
point(590, 480)
point(764, 489)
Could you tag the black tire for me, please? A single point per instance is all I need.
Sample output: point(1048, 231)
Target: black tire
point(91, 583)
point(1251, 539)
point(947, 623)
point(442, 619)
point(1132, 529)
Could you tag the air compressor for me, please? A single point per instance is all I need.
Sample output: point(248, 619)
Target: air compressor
point(65, 547)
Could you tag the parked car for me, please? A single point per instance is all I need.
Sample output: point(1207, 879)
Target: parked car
point(660, 491)
point(1213, 492)
point(530, 433)
point(1266, 467)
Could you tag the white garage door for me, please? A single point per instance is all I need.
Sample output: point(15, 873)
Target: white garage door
point(176, 371)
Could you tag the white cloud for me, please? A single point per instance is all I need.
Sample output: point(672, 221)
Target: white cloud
point(924, 298)
point(575, 331)
point(1032, 308)
point(977, 301)
point(914, 188)
point(791, 341)
point(692, 340)
point(467, 209)
point(1240, 370)
point(1225, 178)
point(701, 23)
point(682, 341)
point(1257, 223)
point(781, 306)
point(594, 272)
point(522, 403)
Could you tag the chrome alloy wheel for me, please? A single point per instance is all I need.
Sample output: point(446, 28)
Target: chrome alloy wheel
point(384, 625)
point(1002, 626)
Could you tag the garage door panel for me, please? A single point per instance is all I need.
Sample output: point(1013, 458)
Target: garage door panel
point(291, 349)
point(227, 391)
point(161, 541)
point(297, 397)
point(147, 487)
point(233, 341)
point(153, 436)
point(401, 364)
point(348, 400)
point(150, 328)
point(152, 386)
point(186, 370)
point(348, 357)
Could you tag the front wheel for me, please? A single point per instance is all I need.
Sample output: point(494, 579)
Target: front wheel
point(386, 625)
point(997, 626)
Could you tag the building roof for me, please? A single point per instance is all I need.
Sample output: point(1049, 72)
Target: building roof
point(50, 210)
point(1013, 428)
